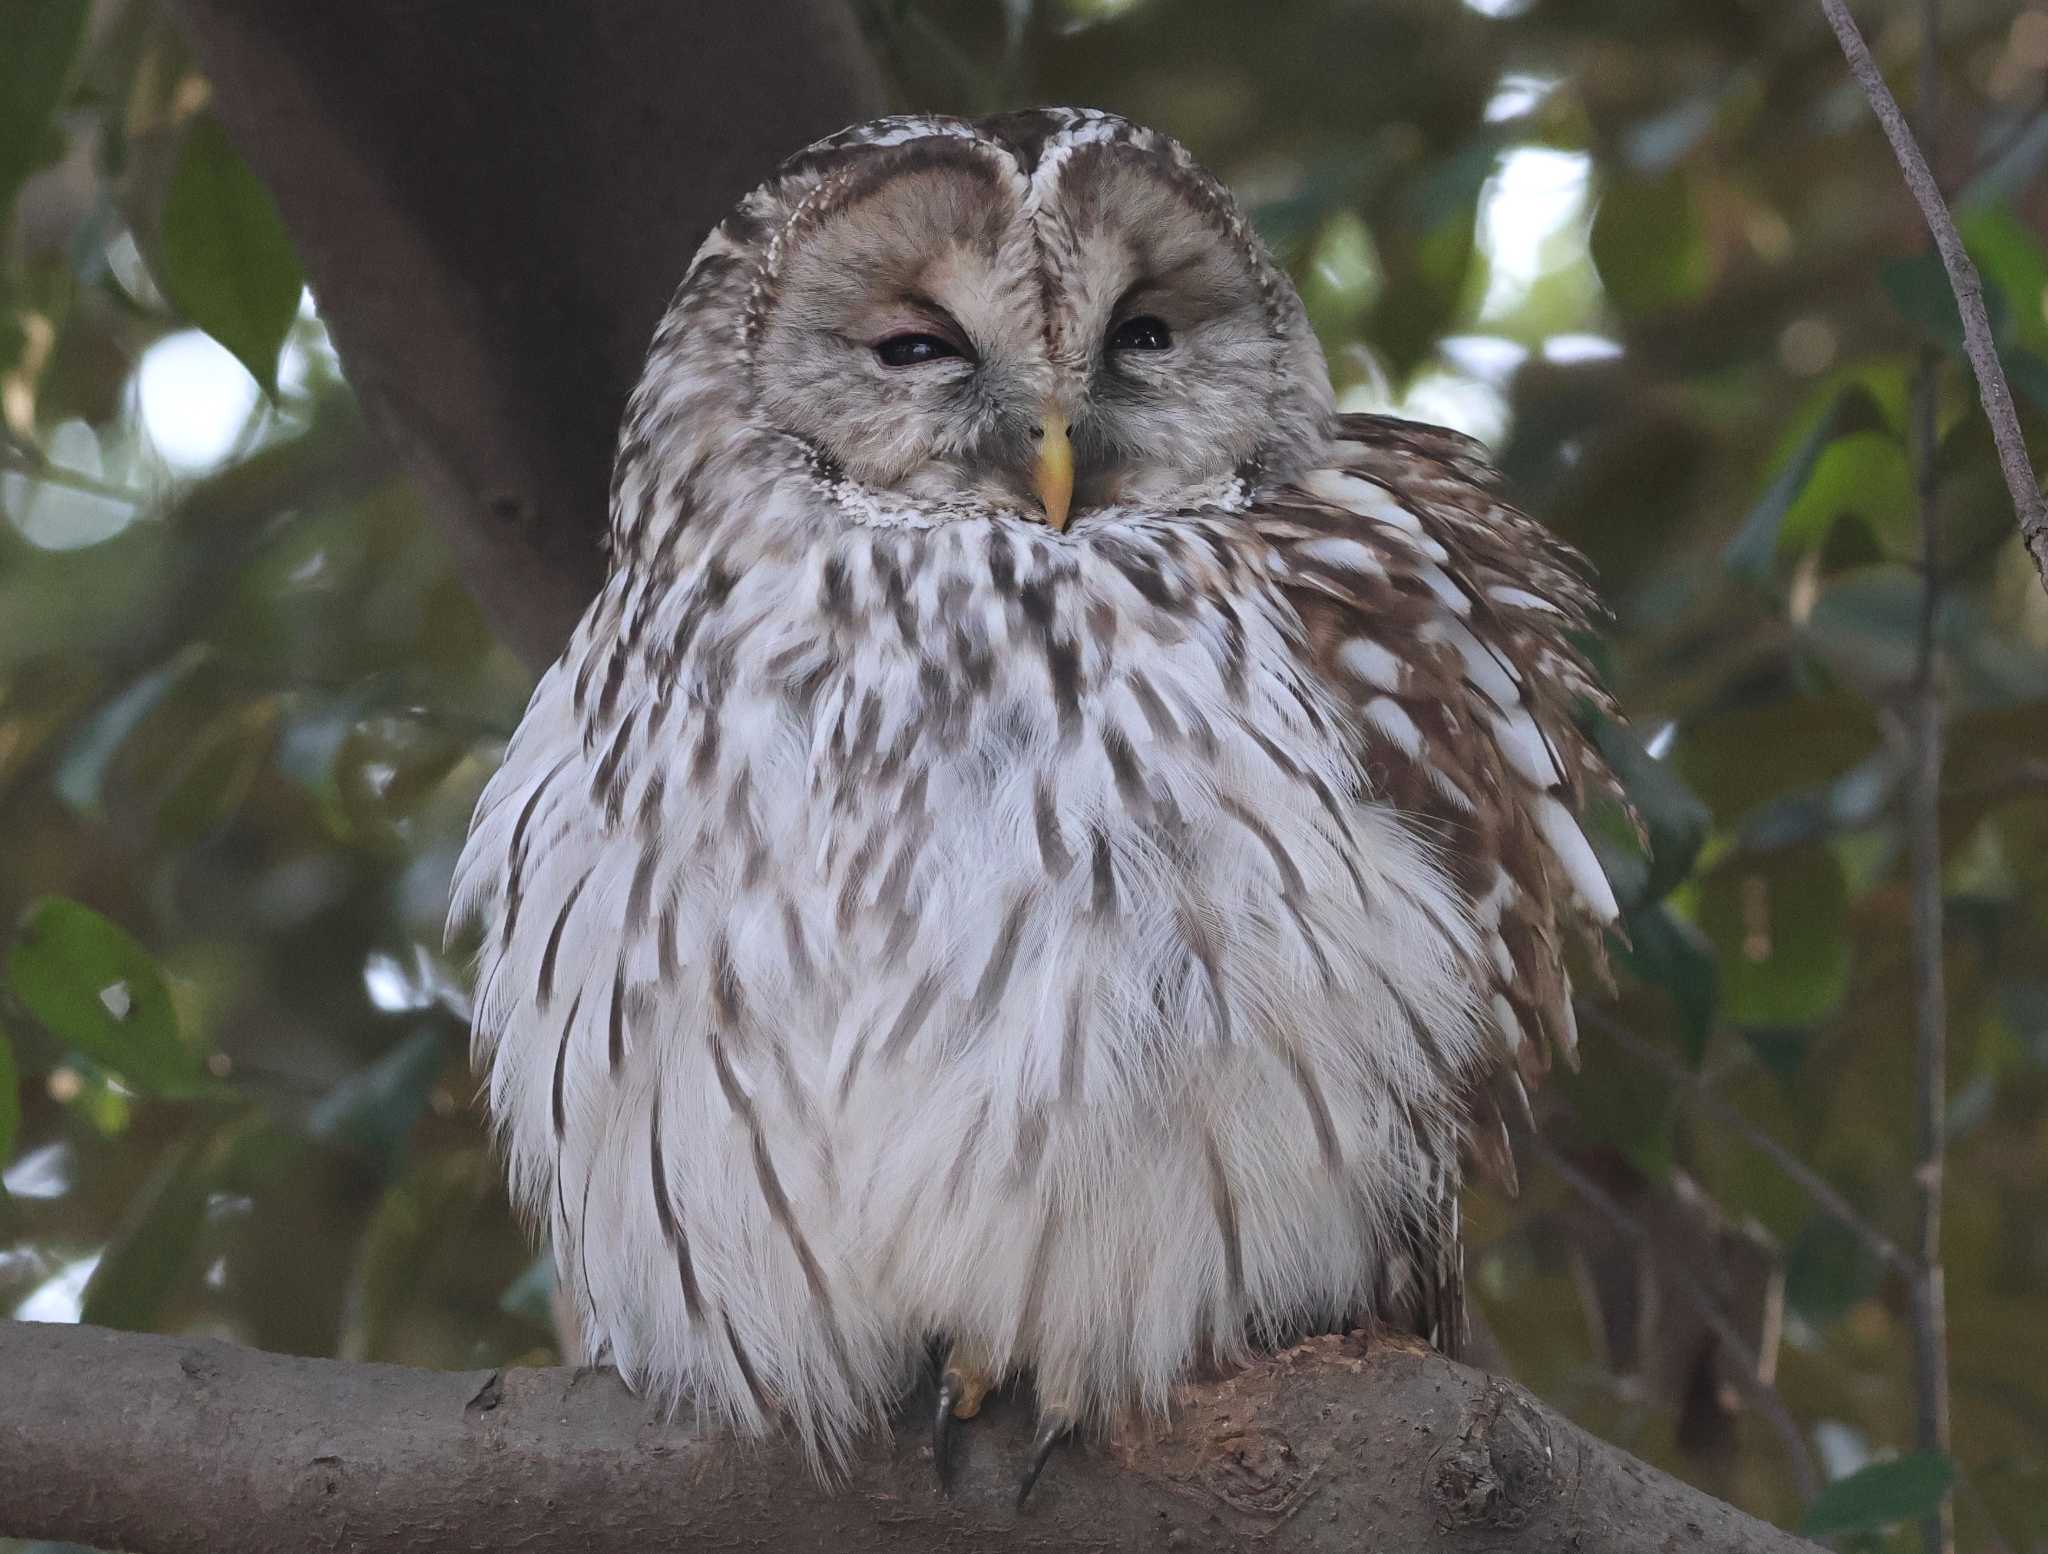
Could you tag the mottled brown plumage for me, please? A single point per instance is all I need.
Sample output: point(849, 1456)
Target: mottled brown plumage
point(1050, 840)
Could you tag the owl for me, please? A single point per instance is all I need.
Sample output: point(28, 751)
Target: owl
point(1052, 847)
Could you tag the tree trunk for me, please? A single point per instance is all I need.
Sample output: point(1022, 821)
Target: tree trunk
point(493, 203)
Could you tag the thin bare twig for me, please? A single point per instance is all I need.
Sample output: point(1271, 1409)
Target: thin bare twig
point(30, 462)
point(1743, 1366)
point(1702, 1094)
point(1992, 389)
point(1924, 717)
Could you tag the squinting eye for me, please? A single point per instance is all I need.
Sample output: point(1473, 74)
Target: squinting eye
point(1143, 333)
point(914, 350)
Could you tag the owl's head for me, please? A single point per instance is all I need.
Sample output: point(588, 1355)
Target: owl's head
point(1043, 313)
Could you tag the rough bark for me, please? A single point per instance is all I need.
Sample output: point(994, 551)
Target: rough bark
point(173, 1446)
point(493, 203)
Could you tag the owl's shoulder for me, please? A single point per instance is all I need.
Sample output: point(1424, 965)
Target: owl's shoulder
point(1401, 449)
point(1453, 623)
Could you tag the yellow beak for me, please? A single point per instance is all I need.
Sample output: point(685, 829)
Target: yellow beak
point(1053, 479)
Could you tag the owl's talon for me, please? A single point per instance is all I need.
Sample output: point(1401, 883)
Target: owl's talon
point(942, 1434)
point(964, 1381)
point(1054, 1426)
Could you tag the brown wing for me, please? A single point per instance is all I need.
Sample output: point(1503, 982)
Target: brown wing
point(1447, 616)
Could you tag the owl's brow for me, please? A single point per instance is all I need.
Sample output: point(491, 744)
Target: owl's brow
point(839, 191)
point(1172, 164)
point(915, 301)
point(1149, 282)
point(1144, 283)
point(815, 204)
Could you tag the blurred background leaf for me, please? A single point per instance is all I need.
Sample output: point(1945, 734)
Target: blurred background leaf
point(223, 255)
point(1880, 1495)
point(98, 991)
point(45, 38)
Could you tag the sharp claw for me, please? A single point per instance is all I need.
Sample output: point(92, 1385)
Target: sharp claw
point(964, 1382)
point(942, 1431)
point(1052, 1429)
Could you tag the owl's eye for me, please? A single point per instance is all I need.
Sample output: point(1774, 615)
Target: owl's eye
point(1143, 333)
point(914, 350)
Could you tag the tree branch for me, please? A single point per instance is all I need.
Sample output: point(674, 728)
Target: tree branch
point(1992, 389)
point(1743, 1367)
point(493, 204)
point(1817, 1187)
point(165, 1445)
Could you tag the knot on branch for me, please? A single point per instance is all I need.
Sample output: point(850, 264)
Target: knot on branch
point(1257, 1470)
point(1500, 1470)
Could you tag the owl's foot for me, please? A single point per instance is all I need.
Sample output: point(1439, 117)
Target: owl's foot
point(1055, 1424)
point(964, 1381)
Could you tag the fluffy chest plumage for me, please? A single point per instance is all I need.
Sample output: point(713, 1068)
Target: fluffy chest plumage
point(962, 772)
point(966, 929)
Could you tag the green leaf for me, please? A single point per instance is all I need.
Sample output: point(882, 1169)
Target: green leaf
point(1751, 553)
point(1744, 752)
point(1867, 623)
point(1919, 288)
point(1856, 799)
point(154, 1242)
point(415, 1224)
point(374, 1109)
point(2010, 265)
point(1780, 926)
point(213, 775)
point(1647, 244)
point(81, 774)
point(1781, 1052)
point(44, 40)
point(2029, 374)
point(2010, 258)
point(1864, 476)
point(1627, 1107)
point(102, 993)
point(1668, 952)
point(1827, 1270)
point(1883, 1493)
point(223, 255)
